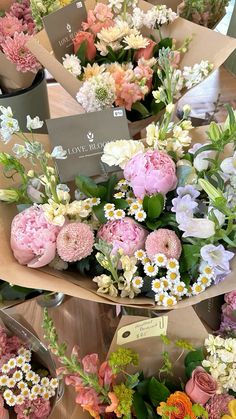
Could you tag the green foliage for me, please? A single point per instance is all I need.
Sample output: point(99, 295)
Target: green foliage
point(190, 256)
point(153, 206)
point(141, 109)
point(121, 358)
point(99, 212)
point(192, 360)
point(81, 53)
point(199, 411)
point(157, 391)
point(139, 407)
point(87, 186)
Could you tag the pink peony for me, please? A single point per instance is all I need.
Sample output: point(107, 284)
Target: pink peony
point(123, 234)
point(217, 406)
point(16, 51)
point(163, 241)
point(99, 18)
point(9, 25)
point(90, 363)
point(201, 387)
point(35, 409)
point(3, 412)
point(145, 53)
point(33, 239)
point(230, 299)
point(90, 46)
point(151, 172)
point(75, 242)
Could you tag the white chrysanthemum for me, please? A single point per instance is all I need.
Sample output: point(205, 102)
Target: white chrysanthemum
point(72, 64)
point(17, 376)
point(26, 368)
point(179, 289)
point(54, 383)
point(146, 260)
point(119, 195)
point(167, 284)
point(97, 93)
point(7, 394)
point(160, 297)
point(157, 286)
point(110, 215)
point(140, 216)
point(150, 269)
point(35, 389)
point(137, 282)
point(29, 375)
point(20, 361)
point(21, 385)
point(173, 276)
point(11, 401)
point(169, 301)
point(12, 363)
point(109, 207)
point(204, 280)
point(133, 41)
point(118, 153)
point(20, 400)
point(172, 265)
point(134, 207)
point(207, 271)
point(3, 380)
point(45, 381)
point(5, 369)
point(160, 259)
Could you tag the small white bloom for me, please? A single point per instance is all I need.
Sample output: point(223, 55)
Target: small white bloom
point(59, 153)
point(160, 259)
point(20, 400)
point(172, 265)
point(167, 284)
point(169, 301)
point(5, 369)
point(21, 385)
point(95, 201)
point(140, 215)
point(11, 401)
point(11, 382)
point(26, 368)
point(119, 214)
point(45, 382)
point(17, 376)
point(110, 215)
point(35, 389)
point(12, 363)
point(173, 276)
point(157, 286)
point(20, 361)
point(109, 207)
point(140, 254)
point(150, 269)
point(135, 207)
point(160, 297)
point(119, 195)
point(35, 379)
point(170, 108)
point(33, 123)
point(46, 394)
point(54, 383)
point(137, 282)
point(204, 280)
point(7, 394)
point(72, 64)
point(25, 392)
point(197, 288)
point(3, 380)
point(29, 375)
point(179, 289)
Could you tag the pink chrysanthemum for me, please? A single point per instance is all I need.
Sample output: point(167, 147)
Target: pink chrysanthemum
point(218, 406)
point(75, 242)
point(9, 25)
point(163, 241)
point(16, 51)
point(35, 409)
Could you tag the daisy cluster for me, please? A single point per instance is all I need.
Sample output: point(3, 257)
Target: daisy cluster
point(18, 382)
point(221, 361)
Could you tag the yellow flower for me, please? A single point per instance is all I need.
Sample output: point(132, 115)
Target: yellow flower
point(232, 410)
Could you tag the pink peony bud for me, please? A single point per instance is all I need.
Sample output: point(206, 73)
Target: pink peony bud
point(201, 387)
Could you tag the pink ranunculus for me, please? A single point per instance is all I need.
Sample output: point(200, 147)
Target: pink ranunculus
point(99, 18)
point(3, 412)
point(90, 45)
point(145, 53)
point(33, 238)
point(151, 172)
point(123, 234)
point(201, 386)
point(90, 363)
point(106, 374)
point(230, 299)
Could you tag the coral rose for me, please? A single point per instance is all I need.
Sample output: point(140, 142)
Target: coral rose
point(181, 402)
point(151, 172)
point(33, 238)
point(123, 234)
point(201, 387)
point(163, 241)
point(145, 53)
point(91, 51)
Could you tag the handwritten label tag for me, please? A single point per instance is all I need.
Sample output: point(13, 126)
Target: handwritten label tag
point(84, 137)
point(63, 25)
point(141, 330)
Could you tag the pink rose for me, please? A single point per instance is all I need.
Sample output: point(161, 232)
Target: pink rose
point(145, 53)
point(33, 239)
point(151, 172)
point(90, 49)
point(201, 387)
point(123, 234)
point(230, 299)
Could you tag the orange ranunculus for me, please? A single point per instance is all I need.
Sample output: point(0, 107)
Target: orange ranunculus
point(181, 402)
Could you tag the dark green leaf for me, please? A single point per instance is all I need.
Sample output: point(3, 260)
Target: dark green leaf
point(142, 387)
point(151, 413)
point(232, 120)
point(157, 391)
point(112, 54)
point(139, 107)
point(121, 203)
point(191, 367)
point(139, 407)
point(165, 43)
point(145, 203)
point(190, 255)
point(205, 148)
point(87, 186)
point(194, 356)
point(155, 206)
point(81, 53)
point(110, 186)
point(99, 212)
point(153, 225)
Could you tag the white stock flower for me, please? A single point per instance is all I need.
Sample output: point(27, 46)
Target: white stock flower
point(159, 15)
point(195, 74)
point(152, 134)
point(72, 64)
point(33, 123)
point(138, 17)
point(97, 93)
point(118, 153)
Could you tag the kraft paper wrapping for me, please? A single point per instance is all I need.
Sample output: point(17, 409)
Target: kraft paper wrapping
point(74, 284)
point(206, 45)
point(173, 4)
point(11, 79)
point(150, 348)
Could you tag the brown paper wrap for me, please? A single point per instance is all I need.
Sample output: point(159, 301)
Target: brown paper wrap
point(73, 283)
point(10, 78)
point(216, 49)
point(150, 348)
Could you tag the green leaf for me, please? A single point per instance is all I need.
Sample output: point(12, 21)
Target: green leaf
point(139, 407)
point(81, 53)
point(99, 212)
point(191, 367)
point(155, 206)
point(110, 186)
point(145, 203)
point(139, 107)
point(153, 225)
point(157, 391)
point(142, 387)
point(205, 148)
point(151, 413)
point(190, 255)
point(199, 411)
point(194, 356)
point(121, 203)
point(232, 120)
point(87, 186)
point(112, 54)
point(165, 43)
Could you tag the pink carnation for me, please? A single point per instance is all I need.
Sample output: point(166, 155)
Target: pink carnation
point(16, 51)
point(151, 172)
point(33, 239)
point(35, 409)
point(123, 234)
point(75, 242)
point(217, 406)
point(99, 18)
point(163, 241)
point(9, 25)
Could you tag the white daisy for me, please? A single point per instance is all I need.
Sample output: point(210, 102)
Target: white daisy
point(110, 215)
point(22, 385)
point(160, 297)
point(146, 260)
point(26, 368)
point(160, 259)
point(7, 394)
point(134, 207)
point(180, 289)
point(29, 375)
point(25, 392)
point(140, 216)
point(109, 207)
point(150, 269)
point(20, 399)
point(172, 265)
point(119, 214)
point(46, 394)
point(169, 301)
point(137, 282)
point(3, 380)
point(197, 288)
point(35, 389)
point(208, 271)
point(11, 363)
point(35, 379)
point(167, 284)
point(21, 351)
point(5, 369)
point(54, 383)
point(95, 201)
point(119, 195)
point(11, 382)
point(173, 276)
point(20, 360)
point(27, 355)
point(204, 280)
point(11, 401)
point(45, 381)
point(157, 286)
point(140, 254)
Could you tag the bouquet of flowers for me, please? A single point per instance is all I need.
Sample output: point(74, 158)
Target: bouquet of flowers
point(41, 8)
point(27, 388)
point(203, 12)
point(163, 230)
point(193, 382)
point(125, 51)
point(228, 321)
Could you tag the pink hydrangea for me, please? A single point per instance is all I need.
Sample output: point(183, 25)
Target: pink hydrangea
point(16, 51)
point(35, 409)
point(151, 172)
point(123, 234)
point(75, 242)
point(9, 25)
point(33, 238)
point(163, 241)
point(99, 18)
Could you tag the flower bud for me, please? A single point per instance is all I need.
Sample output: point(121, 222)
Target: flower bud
point(9, 195)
